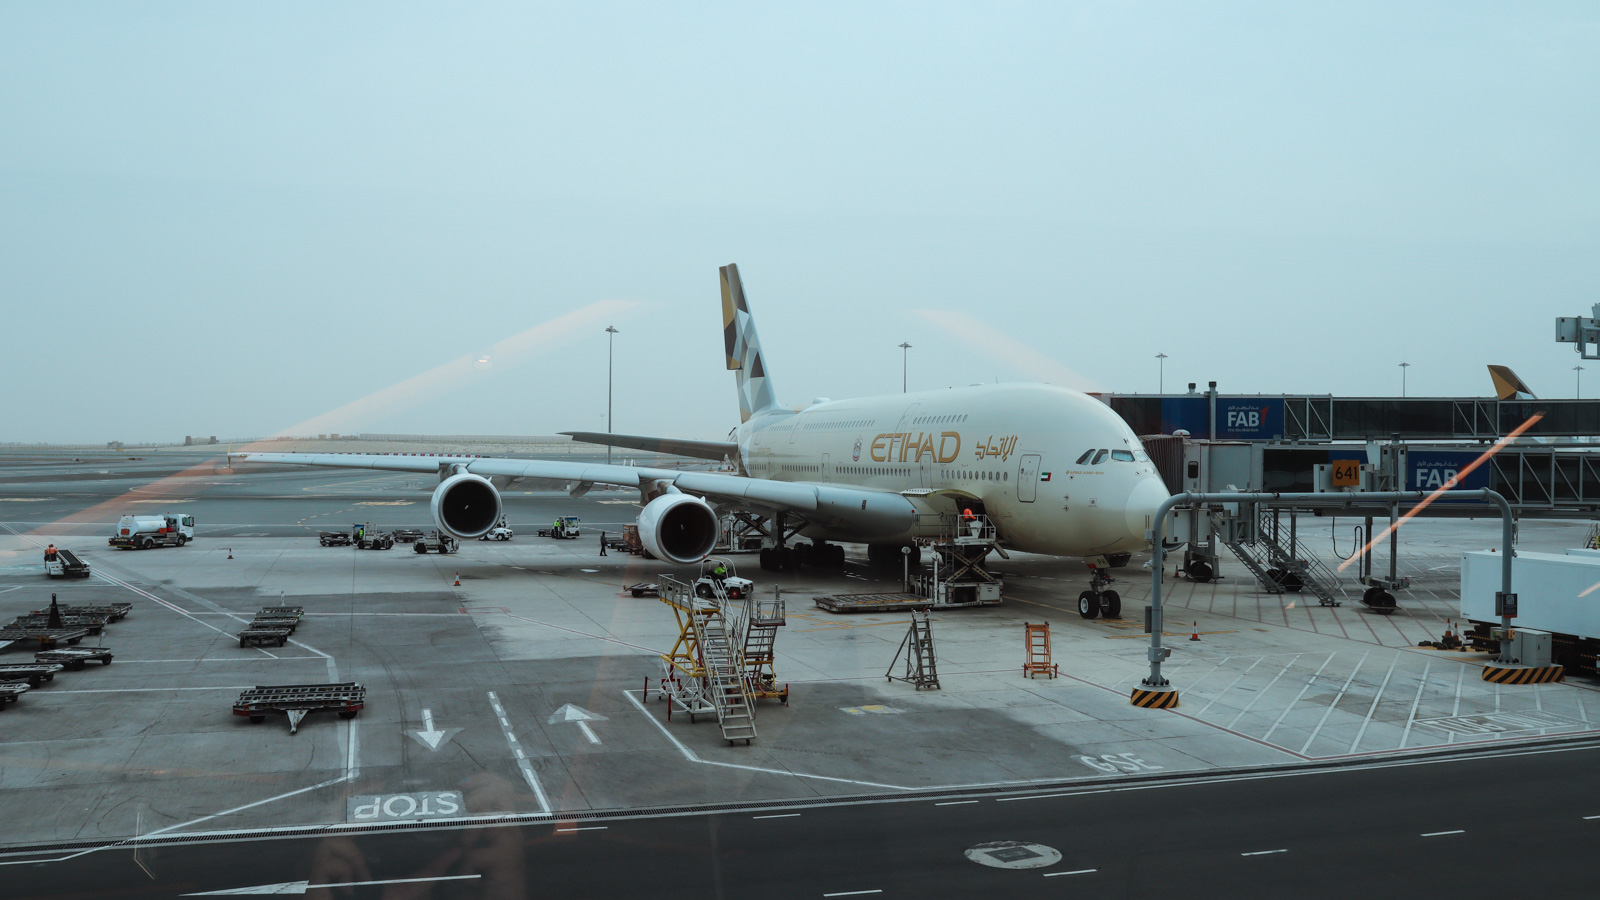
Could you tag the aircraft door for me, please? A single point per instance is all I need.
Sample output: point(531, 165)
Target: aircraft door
point(1028, 478)
point(826, 470)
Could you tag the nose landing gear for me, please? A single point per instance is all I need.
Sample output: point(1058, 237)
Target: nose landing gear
point(1097, 600)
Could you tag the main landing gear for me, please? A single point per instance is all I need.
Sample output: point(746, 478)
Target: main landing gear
point(1097, 600)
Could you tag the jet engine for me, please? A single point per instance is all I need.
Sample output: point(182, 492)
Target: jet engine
point(678, 528)
point(466, 506)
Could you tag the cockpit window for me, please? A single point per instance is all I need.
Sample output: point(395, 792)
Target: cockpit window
point(1122, 456)
point(1099, 457)
point(1141, 456)
point(1085, 457)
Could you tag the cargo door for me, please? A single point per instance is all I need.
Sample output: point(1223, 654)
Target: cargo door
point(1028, 478)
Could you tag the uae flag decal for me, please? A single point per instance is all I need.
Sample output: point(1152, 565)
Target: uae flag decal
point(1045, 477)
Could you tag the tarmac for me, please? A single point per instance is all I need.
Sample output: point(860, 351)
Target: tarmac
point(471, 684)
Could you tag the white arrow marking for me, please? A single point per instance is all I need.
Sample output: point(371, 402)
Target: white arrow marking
point(300, 887)
point(570, 713)
point(429, 736)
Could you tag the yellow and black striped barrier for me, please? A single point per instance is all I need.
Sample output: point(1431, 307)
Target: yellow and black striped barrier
point(1159, 698)
point(1524, 674)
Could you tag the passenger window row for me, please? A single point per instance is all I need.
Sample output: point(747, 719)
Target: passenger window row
point(937, 420)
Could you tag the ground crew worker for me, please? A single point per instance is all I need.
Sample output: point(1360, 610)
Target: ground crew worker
point(720, 572)
point(602, 543)
point(555, 530)
point(50, 553)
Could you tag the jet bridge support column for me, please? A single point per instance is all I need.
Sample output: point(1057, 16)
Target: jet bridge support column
point(1158, 693)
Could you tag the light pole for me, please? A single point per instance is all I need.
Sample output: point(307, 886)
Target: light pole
point(611, 337)
point(1161, 361)
point(1579, 390)
point(1403, 367)
point(905, 356)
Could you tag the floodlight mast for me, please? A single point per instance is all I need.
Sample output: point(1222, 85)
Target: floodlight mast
point(1581, 330)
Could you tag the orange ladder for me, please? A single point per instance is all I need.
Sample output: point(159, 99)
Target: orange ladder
point(1038, 648)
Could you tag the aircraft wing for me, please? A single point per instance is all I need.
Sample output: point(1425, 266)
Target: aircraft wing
point(858, 508)
point(716, 450)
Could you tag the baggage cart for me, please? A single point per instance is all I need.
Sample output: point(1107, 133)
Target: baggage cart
point(296, 700)
point(75, 657)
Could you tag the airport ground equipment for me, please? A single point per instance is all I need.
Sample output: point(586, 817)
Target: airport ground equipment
point(435, 542)
point(282, 612)
point(1554, 596)
point(741, 532)
point(75, 657)
point(1275, 555)
point(111, 612)
point(66, 565)
point(1154, 690)
point(44, 638)
point(920, 666)
point(406, 535)
point(564, 528)
point(1036, 641)
point(335, 538)
point(296, 700)
point(885, 601)
point(11, 692)
point(619, 542)
point(704, 669)
point(707, 585)
point(371, 539)
point(255, 635)
point(145, 532)
point(34, 674)
point(758, 623)
point(93, 624)
point(644, 589)
point(959, 575)
point(501, 532)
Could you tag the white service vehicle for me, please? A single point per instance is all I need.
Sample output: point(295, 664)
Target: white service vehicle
point(706, 585)
point(501, 532)
point(144, 532)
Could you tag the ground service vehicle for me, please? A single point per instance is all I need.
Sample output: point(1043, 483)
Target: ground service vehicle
point(435, 542)
point(368, 538)
point(499, 533)
point(144, 532)
point(65, 564)
point(705, 586)
point(334, 539)
point(406, 535)
point(565, 528)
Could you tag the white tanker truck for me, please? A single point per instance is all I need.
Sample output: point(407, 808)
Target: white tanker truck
point(144, 532)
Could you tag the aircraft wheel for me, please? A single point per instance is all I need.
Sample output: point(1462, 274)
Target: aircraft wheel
point(1088, 605)
point(1111, 604)
point(1199, 570)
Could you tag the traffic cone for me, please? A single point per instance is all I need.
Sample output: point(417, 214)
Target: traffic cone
point(458, 579)
point(1194, 635)
point(230, 553)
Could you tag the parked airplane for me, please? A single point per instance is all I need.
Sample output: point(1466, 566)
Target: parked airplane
point(1055, 471)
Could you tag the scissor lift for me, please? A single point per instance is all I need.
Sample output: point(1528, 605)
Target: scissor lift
point(1038, 651)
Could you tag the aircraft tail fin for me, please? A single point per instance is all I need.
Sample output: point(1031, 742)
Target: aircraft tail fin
point(744, 355)
point(1507, 386)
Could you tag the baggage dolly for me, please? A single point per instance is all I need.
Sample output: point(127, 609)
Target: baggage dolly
point(10, 692)
point(44, 638)
point(262, 635)
point(34, 674)
point(75, 657)
point(644, 589)
point(295, 700)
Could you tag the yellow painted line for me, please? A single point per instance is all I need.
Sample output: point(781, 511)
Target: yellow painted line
point(1123, 637)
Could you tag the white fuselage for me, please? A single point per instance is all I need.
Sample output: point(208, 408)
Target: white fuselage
point(1030, 454)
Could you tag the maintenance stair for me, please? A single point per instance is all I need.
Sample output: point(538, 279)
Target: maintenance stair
point(1278, 561)
point(921, 666)
point(724, 672)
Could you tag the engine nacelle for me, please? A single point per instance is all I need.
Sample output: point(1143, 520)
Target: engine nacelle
point(466, 506)
point(679, 528)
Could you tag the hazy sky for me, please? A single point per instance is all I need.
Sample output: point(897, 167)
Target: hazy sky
point(230, 219)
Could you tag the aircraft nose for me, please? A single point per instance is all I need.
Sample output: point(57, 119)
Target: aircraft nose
point(1142, 503)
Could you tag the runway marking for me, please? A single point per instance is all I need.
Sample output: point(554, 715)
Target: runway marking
point(1411, 718)
point(1443, 833)
point(1297, 698)
point(692, 757)
point(1073, 872)
point(300, 887)
point(1376, 699)
point(1229, 687)
point(779, 816)
point(584, 828)
point(955, 802)
point(1329, 711)
point(1586, 818)
point(854, 893)
point(1263, 852)
point(522, 760)
point(220, 687)
point(1261, 693)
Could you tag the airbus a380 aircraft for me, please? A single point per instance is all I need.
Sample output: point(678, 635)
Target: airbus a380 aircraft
point(1056, 471)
